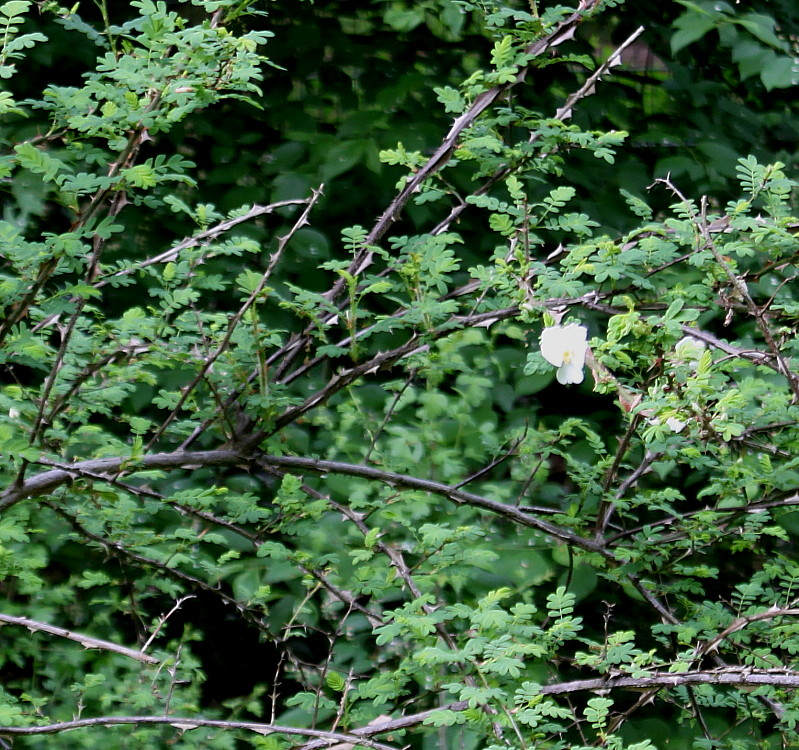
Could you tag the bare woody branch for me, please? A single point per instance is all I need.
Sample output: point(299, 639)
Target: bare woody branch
point(86, 641)
point(737, 676)
point(48, 481)
point(187, 723)
point(208, 235)
point(561, 33)
point(734, 676)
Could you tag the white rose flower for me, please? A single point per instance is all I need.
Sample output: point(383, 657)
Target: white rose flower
point(565, 348)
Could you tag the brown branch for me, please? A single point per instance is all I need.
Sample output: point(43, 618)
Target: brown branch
point(703, 229)
point(606, 507)
point(459, 497)
point(756, 312)
point(735, 676)
point(48, 267)
point(141, 491)
point(187, 723)
point(126, 351)
point(562, 32)
point(708, 647)
point(85, 640)
point(383, 360)
point(162, 620)
point(484, 319)
point(789, 499)
point(49, 480)
point(436, 163)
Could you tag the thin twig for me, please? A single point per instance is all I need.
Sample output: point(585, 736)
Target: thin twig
point(162, 620)
point(201, 238)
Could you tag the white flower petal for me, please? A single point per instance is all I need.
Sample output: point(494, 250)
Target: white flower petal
point(578, 356)
point(552, 345)
point(575, 335)
point(570, 373)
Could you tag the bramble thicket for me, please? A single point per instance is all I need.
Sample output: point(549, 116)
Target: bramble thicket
point(399, 374)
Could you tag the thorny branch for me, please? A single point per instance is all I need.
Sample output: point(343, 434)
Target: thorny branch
point(187, 723)
point(202, 238)
point(563, 113)
point(85, 640)
point(735, 676)
point(47, 481)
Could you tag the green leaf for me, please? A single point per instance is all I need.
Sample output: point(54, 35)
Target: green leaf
point(14, 8)
point(342, 157)
point(39, 161)
point(371, 537)
point(335, 681)
point(560, 602)
point(674, 308)
point(401, 18)
point(141, 175)
point(8, 104)
point(503, 52)
point(637, 206)
point(691, 27)
point(12, 716)
point(762, 27)
point(444, 718)
point(451, 99)
point(597, 711)
point(780, 73)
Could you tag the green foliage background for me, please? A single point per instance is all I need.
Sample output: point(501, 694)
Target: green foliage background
point(282, 462)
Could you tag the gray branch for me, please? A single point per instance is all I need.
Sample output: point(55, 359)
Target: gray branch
point(85, 640)
point(185, 724)
point(49, 480)
point(735, 676)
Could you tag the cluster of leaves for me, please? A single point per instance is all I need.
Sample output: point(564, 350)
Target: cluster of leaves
point(350, 443)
